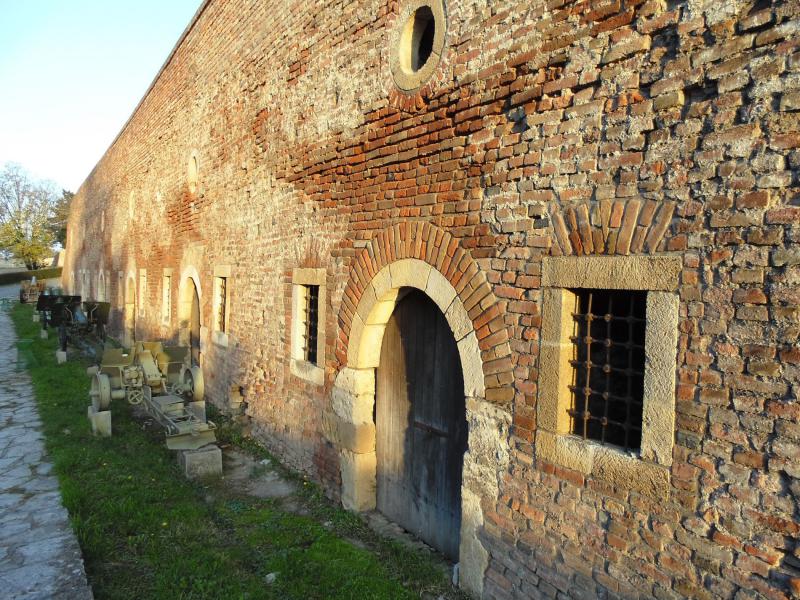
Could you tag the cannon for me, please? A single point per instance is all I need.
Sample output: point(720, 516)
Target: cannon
point(164, 381)
point(29, 291)
point(75, 320)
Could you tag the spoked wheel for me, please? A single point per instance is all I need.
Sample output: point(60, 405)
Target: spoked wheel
point(135, 396)
point(100, 392)
point(193, 383)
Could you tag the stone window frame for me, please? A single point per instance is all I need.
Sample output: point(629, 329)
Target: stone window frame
point(166, 296)
point(221, 338)
point(648, 470)
point(142, 293)
point(407, 79)
point(193, 172)
point(100, 293)
point(299, 366)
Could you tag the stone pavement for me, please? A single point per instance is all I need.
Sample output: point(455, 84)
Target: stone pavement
point(39, 555)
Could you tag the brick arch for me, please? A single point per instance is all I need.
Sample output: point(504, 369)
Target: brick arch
point(422, 256)
point(482, 312)
point(623, 227)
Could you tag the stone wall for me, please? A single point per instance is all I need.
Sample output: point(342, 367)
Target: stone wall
point(561, 128)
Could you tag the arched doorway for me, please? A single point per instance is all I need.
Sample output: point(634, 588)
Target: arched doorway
point(129, 329)
point(351, 424)
point(189, 317)
point(420, 421)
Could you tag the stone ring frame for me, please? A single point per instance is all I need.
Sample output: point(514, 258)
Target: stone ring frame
point(417, 43)
point(422, 256)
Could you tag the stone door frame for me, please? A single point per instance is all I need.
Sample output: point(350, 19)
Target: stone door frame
point(189, 275)
point(349, 422)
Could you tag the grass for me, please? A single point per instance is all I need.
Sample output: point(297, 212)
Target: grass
point(146, 532)
point(16, 276)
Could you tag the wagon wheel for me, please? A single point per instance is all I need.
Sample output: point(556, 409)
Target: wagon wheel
point(193, 382)
point(135, 396)
point(100, 392)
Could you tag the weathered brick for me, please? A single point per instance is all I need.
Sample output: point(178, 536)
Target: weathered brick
point(566, 129)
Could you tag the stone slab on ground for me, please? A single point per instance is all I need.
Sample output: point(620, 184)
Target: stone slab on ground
point(203, 462)
point(39, 555)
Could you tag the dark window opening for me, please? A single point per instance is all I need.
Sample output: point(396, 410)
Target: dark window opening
point(608, 366)
point(424, 31)
point(311, 322)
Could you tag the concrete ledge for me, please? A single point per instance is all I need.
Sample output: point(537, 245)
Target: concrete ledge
point(203, 462)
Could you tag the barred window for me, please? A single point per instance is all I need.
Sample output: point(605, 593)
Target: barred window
point(608, 366)
point(166, 298)
point(308, 324)
point(221, 305)
point(311, 317)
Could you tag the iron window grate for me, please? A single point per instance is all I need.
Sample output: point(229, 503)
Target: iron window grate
point(223, 297)
point(608, 366)
point(311, 322)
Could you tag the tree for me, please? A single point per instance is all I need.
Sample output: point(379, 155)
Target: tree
point(60, 217)
point(26, 211)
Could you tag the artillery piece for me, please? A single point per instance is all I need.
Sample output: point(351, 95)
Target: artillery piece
point(29, 291)
point(161, 378)
point(74, 319)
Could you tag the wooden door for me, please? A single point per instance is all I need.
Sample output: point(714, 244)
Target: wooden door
point(421, 424)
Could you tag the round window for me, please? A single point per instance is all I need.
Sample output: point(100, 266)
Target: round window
point(419, 43)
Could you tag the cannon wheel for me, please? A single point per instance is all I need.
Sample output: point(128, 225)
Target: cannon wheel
point(101, 392)
point(193, 381)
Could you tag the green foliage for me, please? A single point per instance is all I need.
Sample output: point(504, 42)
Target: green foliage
point(26, 210)
point(146, 532)
point(58, 222)
point(17, 276)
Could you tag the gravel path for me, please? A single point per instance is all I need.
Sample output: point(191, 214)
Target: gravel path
point(39, 555)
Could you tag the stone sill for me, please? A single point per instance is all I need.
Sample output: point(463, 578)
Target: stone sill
point(308, 371)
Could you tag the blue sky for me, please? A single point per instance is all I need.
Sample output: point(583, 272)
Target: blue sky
point(71, 73)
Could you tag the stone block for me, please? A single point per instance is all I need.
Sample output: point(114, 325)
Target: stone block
point(357, 437)
point(43, 334)
point(358, 480)
point(61, 357)
point(35, 317)
point(203, 462)
point(100, 421)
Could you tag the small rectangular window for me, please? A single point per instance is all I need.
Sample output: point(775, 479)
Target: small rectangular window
point(308, 324)
point(142, 290)
point(166, 305)
point(608, 366)
point(222, 300)
point(311, 322)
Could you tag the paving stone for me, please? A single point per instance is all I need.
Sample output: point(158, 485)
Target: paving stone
point(39, 554)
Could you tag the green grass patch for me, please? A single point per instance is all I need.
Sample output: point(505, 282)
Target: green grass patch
point(17, 276)
point(146, 532)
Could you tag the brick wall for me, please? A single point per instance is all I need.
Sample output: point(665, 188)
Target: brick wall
point(611, 127)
